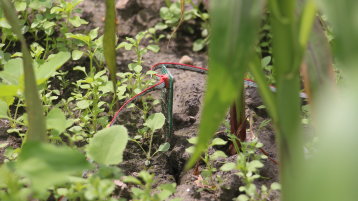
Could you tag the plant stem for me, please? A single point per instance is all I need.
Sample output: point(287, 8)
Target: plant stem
point(150, 145)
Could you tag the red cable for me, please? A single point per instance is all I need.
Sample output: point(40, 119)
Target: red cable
point(161, 81)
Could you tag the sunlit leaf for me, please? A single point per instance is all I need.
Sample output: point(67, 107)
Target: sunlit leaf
point(3, 109)
point(155, 121)
point(47, 69)
point(56, 119)
point(107, 146)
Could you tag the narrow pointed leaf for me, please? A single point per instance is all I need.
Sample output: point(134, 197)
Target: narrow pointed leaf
point(36, 119)
point(109, 40)
point(230, 48)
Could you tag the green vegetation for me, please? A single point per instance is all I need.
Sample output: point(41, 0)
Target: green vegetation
point(59, 87)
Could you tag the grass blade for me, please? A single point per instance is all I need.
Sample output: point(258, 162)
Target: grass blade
point(36, 119)
point(229, 53)
point(109, 41)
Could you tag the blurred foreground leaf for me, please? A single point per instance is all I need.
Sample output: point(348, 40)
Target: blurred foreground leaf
point(37, 126)
point(46, 165)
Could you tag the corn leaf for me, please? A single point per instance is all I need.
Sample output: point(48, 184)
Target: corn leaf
point(230, 49)
point(36, 119)
point(109, 40)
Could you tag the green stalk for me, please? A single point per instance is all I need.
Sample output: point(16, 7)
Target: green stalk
point(36, 118)
point(286, 50)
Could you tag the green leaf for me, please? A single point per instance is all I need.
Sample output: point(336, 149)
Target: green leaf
point(36, 119)
point(3, 109)
point(81, 37)
point(198, 45)
point(131, 179)
point(155, 121)
point(93, 33)
point(76, 21)
point(252, 166)
point(164, 147)
point(56, 119)
point(217, 154)
point(243, 197)
point(83, 104)
point(275, 186)
point(228, 167)
point(76, 55)
point(109, 41)
point(46, 164)
point(12, 72)
point(8, 90)
point(153, 48)
point(230, 50)
point(138, 68)
point(47, 69)
point(125, 45)
point(107, 146)
point(218, 141)
point(20, 6)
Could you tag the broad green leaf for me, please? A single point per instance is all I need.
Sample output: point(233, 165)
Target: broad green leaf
point(107, 146)
point(83, 104)
point(231, 46)
point(76, 55)
point(153, 48)
point(3, 109)
point(164, 147)
point(218, 141)
point(12, 72)
point(109, 41)
point(76, 21)
point(93, 33)
point(47, 69)
point(218, 154)
point(81, 37)
point(8, 90)
point(46, 164)
point(56, 119)
point(198, 45)
point(20, 6)
point(36, 119)
point(228, 167)
point(254, 165)
point(155, 121)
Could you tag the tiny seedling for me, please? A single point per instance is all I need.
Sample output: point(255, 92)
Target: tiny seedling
point(146, 192)
point(153, 123)
point(209, 159)
point(247, 165)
